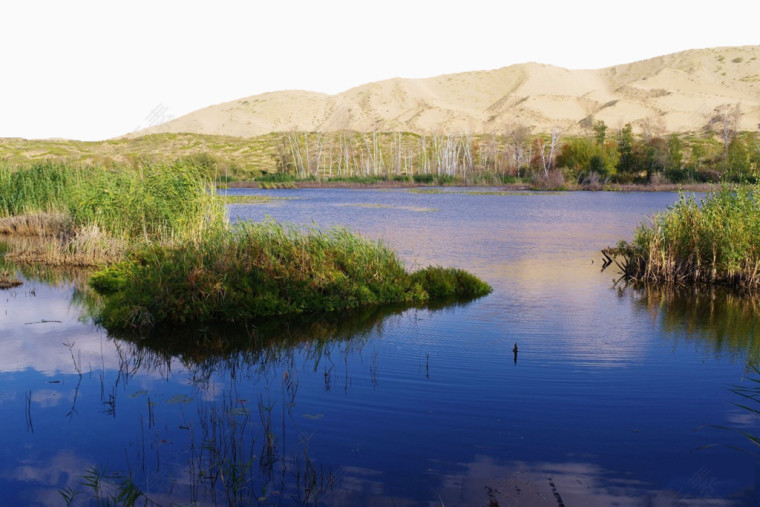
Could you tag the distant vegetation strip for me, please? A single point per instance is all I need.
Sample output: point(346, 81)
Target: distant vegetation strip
point(713, 241)
point(604, 157)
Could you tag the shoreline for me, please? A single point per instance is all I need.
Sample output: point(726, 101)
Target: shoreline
point(508, 187)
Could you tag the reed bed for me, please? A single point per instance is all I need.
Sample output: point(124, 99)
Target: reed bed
point(96, 215)
point(713, 241)
point(265, 269)
point(172, 257)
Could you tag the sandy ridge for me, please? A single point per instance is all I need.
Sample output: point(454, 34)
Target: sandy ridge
point(676, 93)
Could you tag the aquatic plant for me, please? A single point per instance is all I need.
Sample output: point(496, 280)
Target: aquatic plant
point(713, 241)
point(749, 402)
point(105, 488)
point(440, 282)
point(254, 270)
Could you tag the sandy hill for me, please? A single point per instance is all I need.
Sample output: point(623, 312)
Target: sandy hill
point(676, 92)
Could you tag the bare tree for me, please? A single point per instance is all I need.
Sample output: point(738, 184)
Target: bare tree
point(547, 161)
point(517, 139)
point(652, 127)
point(725, 120)
point(556, 136)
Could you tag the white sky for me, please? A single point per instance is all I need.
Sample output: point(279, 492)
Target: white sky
point(95, 69)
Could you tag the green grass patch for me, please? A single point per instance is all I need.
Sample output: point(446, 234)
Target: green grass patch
point(388, 206)
point(94, 215)
point(482, 192)
point(248, 199)
point(260, 270)
point(154, 202)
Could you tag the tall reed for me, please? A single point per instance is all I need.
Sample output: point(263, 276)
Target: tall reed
point(714, 241)
point(118, 208)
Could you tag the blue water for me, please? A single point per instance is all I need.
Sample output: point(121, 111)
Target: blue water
point(615, 396)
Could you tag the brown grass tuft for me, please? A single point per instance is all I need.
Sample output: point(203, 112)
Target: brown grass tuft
point(38, 224)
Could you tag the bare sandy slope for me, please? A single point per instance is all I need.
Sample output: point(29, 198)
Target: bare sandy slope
point(676, 93)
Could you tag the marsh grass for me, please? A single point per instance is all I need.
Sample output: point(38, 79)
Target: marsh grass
point(88, 246)
point(95, 215)
point(177, 259)
point(266, 269)
point(713, 241)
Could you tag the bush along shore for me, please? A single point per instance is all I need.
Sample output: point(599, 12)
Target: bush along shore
point(167, 254)
point(266, 269)
point(714, 241)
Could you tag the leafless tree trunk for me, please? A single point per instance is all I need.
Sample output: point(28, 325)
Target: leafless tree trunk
point(726, 119)
point(518, 136)
point(556, 136)
point(541, 146)
point(467, 164)
point(651, 127)
point(295, 150)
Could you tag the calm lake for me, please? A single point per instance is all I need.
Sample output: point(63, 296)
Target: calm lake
point(616, 396)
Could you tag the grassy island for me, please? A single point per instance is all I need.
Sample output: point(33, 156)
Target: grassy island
point(166, 253)
point(714, 241)
point(266, 269)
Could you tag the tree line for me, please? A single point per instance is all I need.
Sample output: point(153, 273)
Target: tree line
point(717, 153)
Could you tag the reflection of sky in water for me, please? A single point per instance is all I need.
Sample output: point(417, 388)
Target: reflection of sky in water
point(36, 321)
point(602, 405)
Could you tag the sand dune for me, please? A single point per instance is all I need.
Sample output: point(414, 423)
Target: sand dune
point(677, 92)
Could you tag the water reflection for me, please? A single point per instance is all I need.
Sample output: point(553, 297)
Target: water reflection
point(209, 415)
point(485, 481)
point(236, 445)
point(726, 321)
point(609, 403)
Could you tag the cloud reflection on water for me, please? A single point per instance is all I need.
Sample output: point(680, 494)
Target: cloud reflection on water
point(568, 483)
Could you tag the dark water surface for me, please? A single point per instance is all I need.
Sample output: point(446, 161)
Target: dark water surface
point(616, 396)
